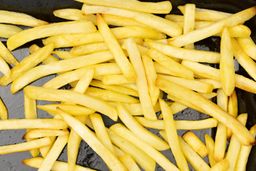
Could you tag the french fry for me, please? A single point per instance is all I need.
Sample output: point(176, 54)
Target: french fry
point(115, 48)
point(145, 161)
point(214, 28)
point(248, 45)
point(189, 21)
point(195, 143)
point(175, 17)
point(149, 150)
point(90, 48)
point(7, 55)
point(221, 166)
point(244, 60)
point(141, 80)
point(240, 31)
point(190, 84)
point(115, 20)
point(214, 83)
point(106, 69)
point(235, 145)
point(19, 19)
point(135, 108)
point(168, 27)
point(108, 95)
point(54, 153)
point(209, 108)
point(73, 14)
point(129, 163)
point(60, 66)
point(49, 30)
point(40, 93)
point(4, 68)
point(116, 79)
point(232, 109)
point(33, 48)
point(244, 153)
point(84, 81)
point(165, 61)
point(40, 133)
point(187, 54)
point(63, 54)
point(7, 30)
point(89, 137)
point(177, 107)
point(139, 131)
point(3, 110)
point(227, 69)
point(26, 146)
point(172, 136)
point(209, 142)
point(147, 7)
point(151, 75)
point(57, 166)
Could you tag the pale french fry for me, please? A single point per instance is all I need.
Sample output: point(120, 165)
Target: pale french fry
point(190, 84)
point(40, 133)
point(115, 20)
point(89, 137)
point(235, 145)
point(165, 63)
point(115, 48)
point(19, 19)
point(227, 69)
point(60, 66)
point(195, 143)
point(141, 80)
point(214, 83)
point(209, 142)
point(7, 30)
point(248, 45)
point(63, 54)
point(151, 75)
point(106, 69)
point(207, 14)
point(214, 28)
point(244, 60)
point(244, 153)
point(140, 131)
point(232, 109)
point(129, 163)
point(172, 136)
point(54, 153)
point(147, 7)
point(205, 71)
point(4, 68)
point(189, 21)
point(187, 54)
point(33, 48)
point(223, 165)
point(193, 158)
point(175, 17)
point(73, 14)
point(84, 81)
point(101, 131)
point(115, 88)
point(108, 95)
point(145, 161)
point(73, 109)
point(40, 93)
point(7, 55)
point(57, 166)
point(49, 30)
point(168, 27)
point(209, 108)
point(90, 48)
point(116, 79)
point(149, 150)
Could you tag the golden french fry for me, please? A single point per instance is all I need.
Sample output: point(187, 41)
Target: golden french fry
point(84, 81)
point(165, 62)
point(7, 30)
point(168, 27)
point(141, 80)
point(89, 137)
point(57, 166)
point(148, 7)
point(116, 79)
point(60, 66)
point(44, 150)
point(232, 109)
point(239, 31)
point(209, 142)
point(33, 48)
point(187, 54)
point(248, 45)
point(90, 48)
point(235, 145)
point(4, 68)
point(190, 84)
point(172, 136)
point(116, 20)
point(7, 55)
point(54, 153)
point(195, 143)
point(108, 95)
point(214, 83)
point(145, 161)
point(115, 48)
point(40, 133)
point(189, 21)
point(19, 19)
point(149, 150)
point(214, 28)
point(63, 54)
point(49, 30)
point(135, 108)
point(3, 111)
point(227, 68)
point(40, 93)
point(73, 14)
point(223, 165)
point(139, 131)
point(244, 60)
point(208, 107)
point(129, 163)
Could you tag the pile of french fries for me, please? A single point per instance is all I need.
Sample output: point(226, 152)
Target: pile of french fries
point(122, 60)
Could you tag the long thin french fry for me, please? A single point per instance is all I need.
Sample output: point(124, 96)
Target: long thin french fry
point(87, 49)
point(209, 142)
point(115, 20)
point(248, 45)
point(3, 110)
point(73, 14)
point(4, 68)
point(7, 30)
point(189, 21)
point(40, 133)
point(232, 109)
point(129, 163)
point(115, 79)
point(33, 48)
point(7, 55)
point(223, 165)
